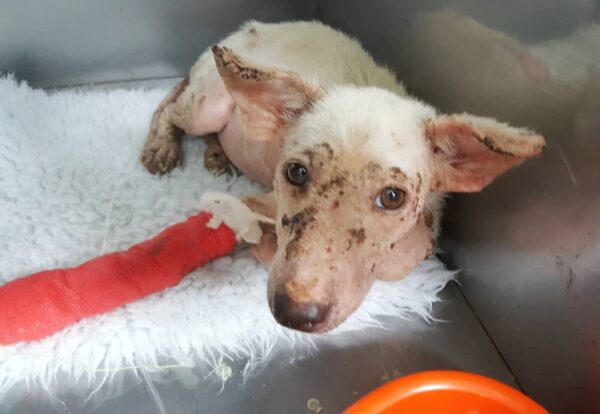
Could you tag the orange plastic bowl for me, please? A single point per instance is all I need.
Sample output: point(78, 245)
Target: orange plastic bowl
point(448, 392)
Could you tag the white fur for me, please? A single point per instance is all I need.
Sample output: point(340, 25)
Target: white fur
point(359, 93)
point(385, 127)
point(72, 189)
point(389, 127)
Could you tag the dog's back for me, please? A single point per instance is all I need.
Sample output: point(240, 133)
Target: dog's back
point(311, 49)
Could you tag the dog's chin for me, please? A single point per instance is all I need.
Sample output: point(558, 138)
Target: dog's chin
point(323, 327)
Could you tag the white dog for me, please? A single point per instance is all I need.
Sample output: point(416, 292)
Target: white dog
point(358, 168)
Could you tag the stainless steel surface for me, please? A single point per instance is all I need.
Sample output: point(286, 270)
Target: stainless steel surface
point(529, 246)
point(336, 372)
point(65, 42)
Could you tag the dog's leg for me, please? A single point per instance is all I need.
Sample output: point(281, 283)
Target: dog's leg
point(197, 107)
point(267, 247)
point(162, 150)
point(215, 159)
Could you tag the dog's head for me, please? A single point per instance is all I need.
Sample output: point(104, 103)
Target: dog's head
point(359, 185)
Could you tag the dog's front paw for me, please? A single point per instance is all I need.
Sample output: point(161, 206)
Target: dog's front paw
point(161, 155)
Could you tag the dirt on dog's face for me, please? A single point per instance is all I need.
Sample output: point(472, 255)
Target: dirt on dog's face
point(348, 212)
point(358, 190)
point(340, 217)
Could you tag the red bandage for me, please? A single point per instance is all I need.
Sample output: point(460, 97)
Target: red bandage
point(38, 305)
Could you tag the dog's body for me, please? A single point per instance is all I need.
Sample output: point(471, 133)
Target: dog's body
point(358, 168)
point(202, 105)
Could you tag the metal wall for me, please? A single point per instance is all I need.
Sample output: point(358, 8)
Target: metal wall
point(529, 245)
point(69, 42)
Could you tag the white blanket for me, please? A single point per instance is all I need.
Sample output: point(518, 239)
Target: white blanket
point(71, 188)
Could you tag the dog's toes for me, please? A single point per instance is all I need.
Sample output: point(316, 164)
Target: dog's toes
point(217, 163)
point(160, 157)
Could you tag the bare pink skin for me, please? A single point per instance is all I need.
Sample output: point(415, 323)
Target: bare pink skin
point(331, 239)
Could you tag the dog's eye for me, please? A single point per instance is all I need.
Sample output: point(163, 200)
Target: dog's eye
point(390, 198)
point(296, 174)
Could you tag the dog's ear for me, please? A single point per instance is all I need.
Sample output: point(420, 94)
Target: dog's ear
point(268, 98)
point(468, 152)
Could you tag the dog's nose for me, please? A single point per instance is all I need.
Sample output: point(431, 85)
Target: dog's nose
point(300, 316)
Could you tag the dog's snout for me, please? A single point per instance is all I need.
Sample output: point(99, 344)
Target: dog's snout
point(300, 316)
